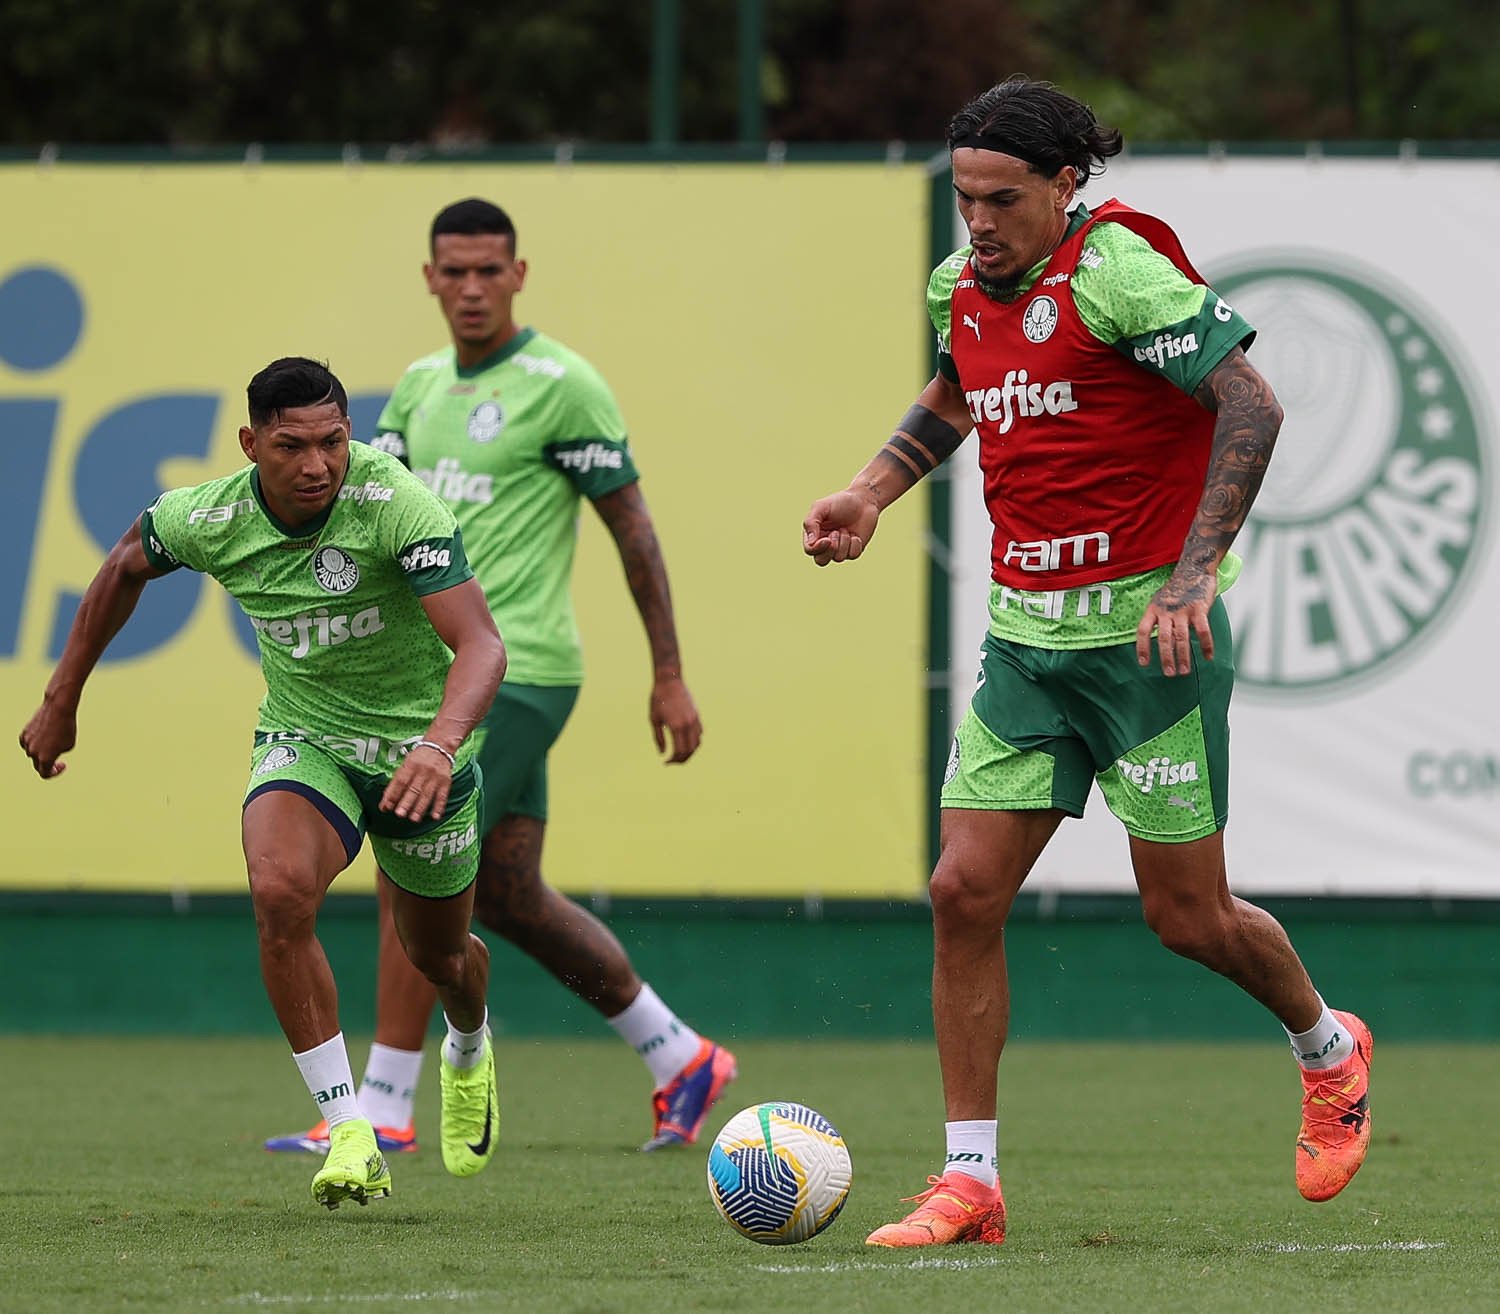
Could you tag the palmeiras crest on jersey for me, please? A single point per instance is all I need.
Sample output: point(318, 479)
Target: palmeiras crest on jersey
point(486, 420)
point(1377, 498)
point(335, 570)
point(1040, 319)
point(278, 759)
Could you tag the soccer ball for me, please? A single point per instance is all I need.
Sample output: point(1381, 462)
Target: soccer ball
point(779, 1173)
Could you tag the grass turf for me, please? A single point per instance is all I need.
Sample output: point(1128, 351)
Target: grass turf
point(1138, 1177)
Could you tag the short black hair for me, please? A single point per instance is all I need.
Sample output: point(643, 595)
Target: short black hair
point(471, 217)
point(291, 382)
point(1048, 128)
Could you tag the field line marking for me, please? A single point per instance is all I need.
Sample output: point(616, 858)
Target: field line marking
point(1347, 1247)
point(1272, 1247)
point(260, 1300)
point(855, 1265)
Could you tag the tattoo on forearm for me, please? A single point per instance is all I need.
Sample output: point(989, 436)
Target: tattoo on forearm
point(624, 512)
point(1249, 418)
point(921, 443)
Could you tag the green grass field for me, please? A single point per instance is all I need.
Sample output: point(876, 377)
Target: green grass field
point(1138, 1177)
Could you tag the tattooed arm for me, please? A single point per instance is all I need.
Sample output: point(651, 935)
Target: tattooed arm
point(671, 709)
point(839, 526)
point(1248, 420)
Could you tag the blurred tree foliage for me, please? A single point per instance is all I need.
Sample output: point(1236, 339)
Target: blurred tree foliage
point(190, 72)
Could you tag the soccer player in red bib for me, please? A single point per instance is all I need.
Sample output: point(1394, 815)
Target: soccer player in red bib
point(1123, 436)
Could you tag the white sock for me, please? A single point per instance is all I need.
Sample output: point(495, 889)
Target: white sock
point(325, 1069)
point(389, 1089)
point(464, 1049)
point(663, 1040)
point(1326, 1045)
point(972, 1149)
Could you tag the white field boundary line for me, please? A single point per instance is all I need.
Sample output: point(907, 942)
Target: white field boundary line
point(1344, 1248)
point(857, 1265)
point(954, 1262)
point(260, 1300)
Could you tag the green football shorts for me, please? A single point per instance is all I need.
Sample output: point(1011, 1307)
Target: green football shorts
point(512, 743)
point(435, 859)
point(1043, 723)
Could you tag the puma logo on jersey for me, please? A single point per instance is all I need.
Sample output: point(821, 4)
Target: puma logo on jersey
point(972, 321)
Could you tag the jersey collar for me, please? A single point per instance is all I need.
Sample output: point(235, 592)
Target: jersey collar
point(1077, 217)
point(308, 528)
point(495, 357)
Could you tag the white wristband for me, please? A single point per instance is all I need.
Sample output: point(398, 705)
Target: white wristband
point(427, 743)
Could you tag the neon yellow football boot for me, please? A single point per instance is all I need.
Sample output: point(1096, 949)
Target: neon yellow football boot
point(471, 1113)
point(355, 1168)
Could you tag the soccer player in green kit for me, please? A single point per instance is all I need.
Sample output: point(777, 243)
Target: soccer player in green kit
point(380, 657)
point(511, 429)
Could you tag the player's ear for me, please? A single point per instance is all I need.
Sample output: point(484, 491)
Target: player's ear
point(520, 267)
point(247, 441)
point(429, 274)
point(1066, 183)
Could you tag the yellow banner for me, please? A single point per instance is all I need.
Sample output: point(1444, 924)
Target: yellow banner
point(761, 328)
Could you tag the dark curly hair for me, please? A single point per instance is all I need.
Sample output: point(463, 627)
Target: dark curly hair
point(1039, 124)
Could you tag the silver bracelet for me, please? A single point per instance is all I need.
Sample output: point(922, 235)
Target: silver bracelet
point(427, 743)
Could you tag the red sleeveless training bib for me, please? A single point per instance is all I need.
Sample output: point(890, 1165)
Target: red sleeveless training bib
point(1093, 467)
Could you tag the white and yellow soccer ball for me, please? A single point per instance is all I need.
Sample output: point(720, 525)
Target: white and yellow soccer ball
point(779, 1173)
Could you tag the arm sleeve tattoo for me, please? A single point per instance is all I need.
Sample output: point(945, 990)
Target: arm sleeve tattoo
point(1248, 420)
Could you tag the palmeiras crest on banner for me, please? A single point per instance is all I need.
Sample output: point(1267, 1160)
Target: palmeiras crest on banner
point(1377, 498)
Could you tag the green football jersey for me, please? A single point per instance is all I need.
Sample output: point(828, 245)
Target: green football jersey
point(349, 657)
point(511, 445)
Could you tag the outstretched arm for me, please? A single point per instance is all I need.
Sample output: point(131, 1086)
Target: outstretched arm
point(1249, 418)
point(106, 606)
point(672, 710)
point(839, 527)
point(420, 786)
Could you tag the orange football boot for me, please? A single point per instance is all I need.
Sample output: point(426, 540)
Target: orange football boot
point(390, 1140)
point(955, 1207)
point(1335, 1119)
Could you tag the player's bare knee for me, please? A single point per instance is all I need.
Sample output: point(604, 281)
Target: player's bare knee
point(443, 967)
point(1190, 930)
point(967, 900)
point(284, 895)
